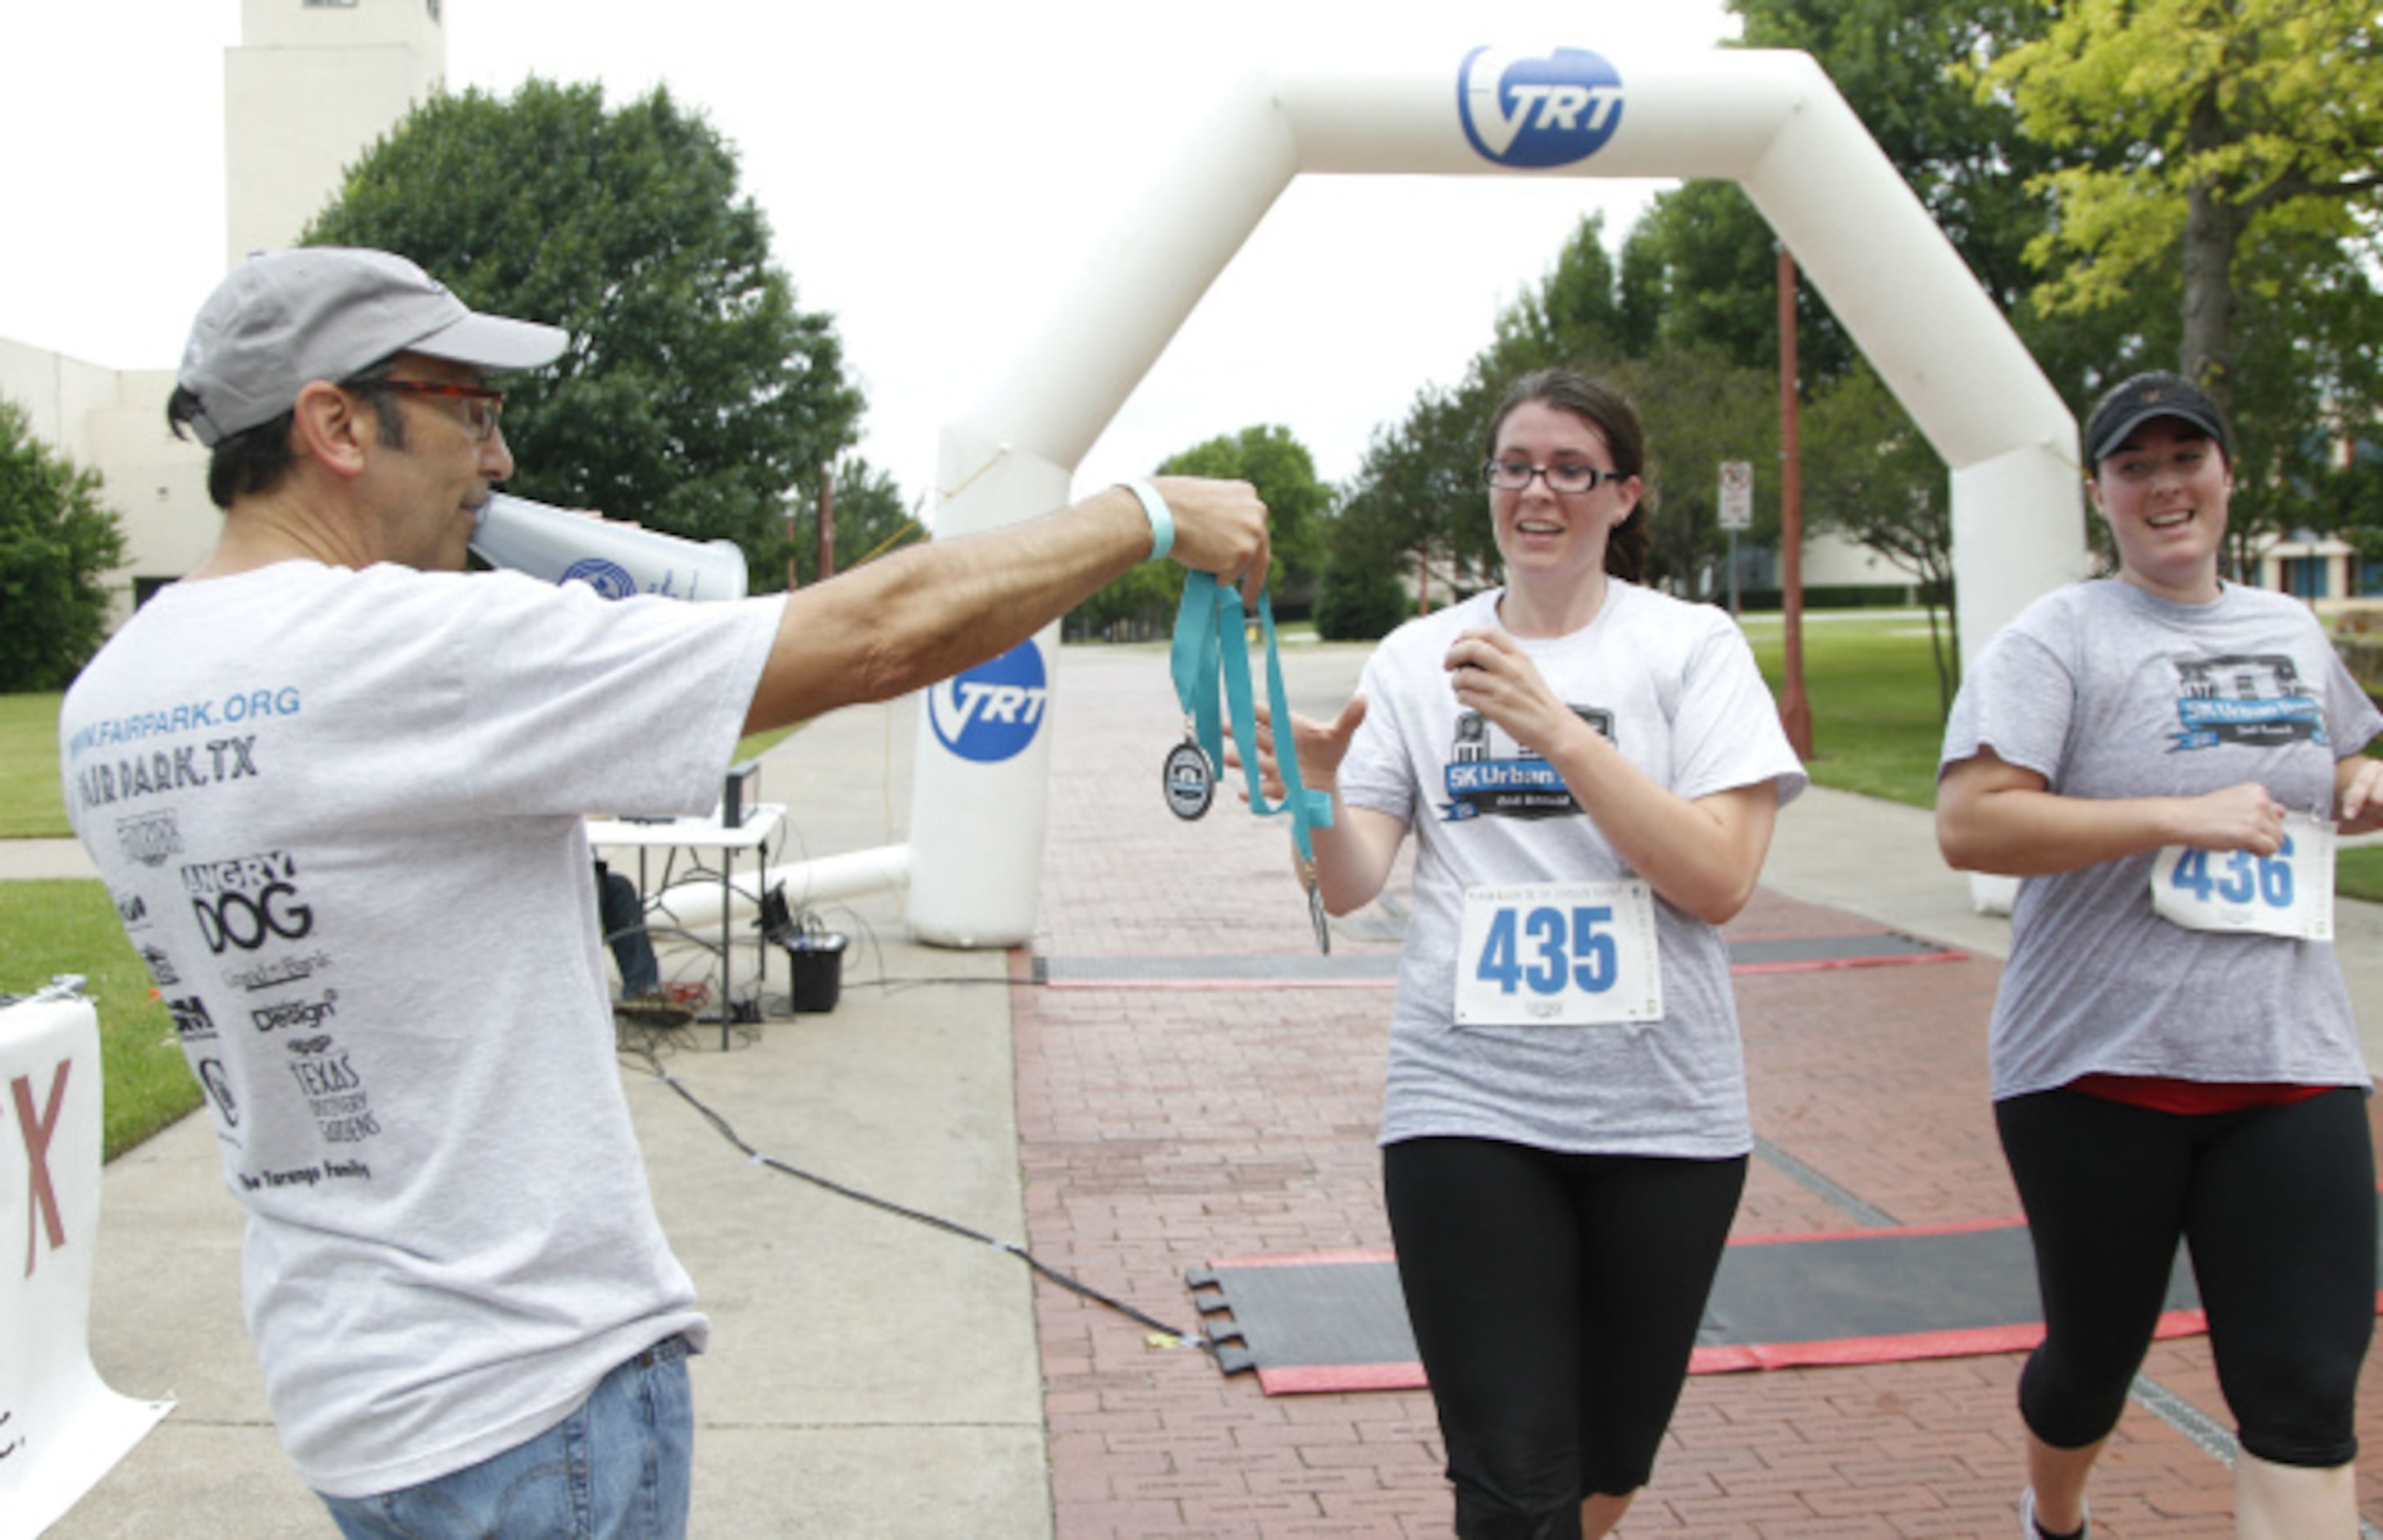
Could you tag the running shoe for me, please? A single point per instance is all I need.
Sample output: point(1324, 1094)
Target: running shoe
point(2028, 1528)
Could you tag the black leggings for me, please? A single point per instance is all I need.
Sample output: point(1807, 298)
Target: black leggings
point(1555, 1301)
point(2278, 1206)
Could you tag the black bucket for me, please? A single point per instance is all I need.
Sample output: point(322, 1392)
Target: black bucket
point(815, 961)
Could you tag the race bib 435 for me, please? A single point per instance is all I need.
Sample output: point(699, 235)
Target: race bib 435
point(1573, 954)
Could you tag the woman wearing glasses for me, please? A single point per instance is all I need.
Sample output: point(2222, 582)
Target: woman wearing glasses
point(1591, 771)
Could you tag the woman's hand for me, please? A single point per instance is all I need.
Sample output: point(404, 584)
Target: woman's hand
point(1492, 674)
point(2237, 818)
point(1320, 747)
point(2358, 795)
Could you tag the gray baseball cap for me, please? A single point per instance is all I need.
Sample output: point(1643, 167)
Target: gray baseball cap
point(285, 318)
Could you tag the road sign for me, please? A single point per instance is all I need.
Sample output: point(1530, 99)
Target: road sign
point(1737, 494)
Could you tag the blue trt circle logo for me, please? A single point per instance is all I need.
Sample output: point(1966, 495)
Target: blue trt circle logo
point(610, 579)
point(1538, 112)
point(991, 712)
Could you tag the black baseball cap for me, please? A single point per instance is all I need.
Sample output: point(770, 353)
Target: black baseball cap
point(2133, 402)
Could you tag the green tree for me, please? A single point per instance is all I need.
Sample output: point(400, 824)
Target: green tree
point(1699, 409)
point(1359, 601)
point(1906, 66)
point(1702, 267)
point(57, 543)
point(694, 395)
point(1415, 505)
point(2223, 152)
point(1703, 274)
point(1416, 501)
point(2194, 125)
point(1576, 311)
point(871, 519)
point(1271, 459)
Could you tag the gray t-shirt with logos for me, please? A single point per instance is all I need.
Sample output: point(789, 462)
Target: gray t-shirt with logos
point(342, 815)
point(2106, 691)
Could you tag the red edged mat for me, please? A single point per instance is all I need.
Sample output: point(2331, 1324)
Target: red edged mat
point(1335, 1321)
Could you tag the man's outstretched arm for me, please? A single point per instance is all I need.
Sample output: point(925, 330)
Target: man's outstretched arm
point(905, 620)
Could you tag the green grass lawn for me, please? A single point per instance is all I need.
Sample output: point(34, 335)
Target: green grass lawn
point(30, 803)
point(2359, 873)
point(1876, 723)
point(49, 928)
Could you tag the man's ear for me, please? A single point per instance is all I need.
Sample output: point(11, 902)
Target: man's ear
point(332, 427)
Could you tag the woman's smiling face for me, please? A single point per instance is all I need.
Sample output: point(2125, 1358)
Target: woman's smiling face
point(1542, 532)
point(2165, 491)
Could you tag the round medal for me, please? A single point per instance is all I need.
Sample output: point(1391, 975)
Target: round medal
point(1189, 786)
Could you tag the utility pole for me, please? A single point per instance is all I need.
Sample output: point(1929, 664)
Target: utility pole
point(1795, 711)
point(827, 521)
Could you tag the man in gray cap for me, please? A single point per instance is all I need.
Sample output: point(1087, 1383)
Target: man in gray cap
point(335, 784)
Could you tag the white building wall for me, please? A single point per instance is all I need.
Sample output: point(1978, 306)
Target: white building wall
point(1833, 561)
point(310, 88)
point(58, 393)
point(113, 422)
point(157, 482)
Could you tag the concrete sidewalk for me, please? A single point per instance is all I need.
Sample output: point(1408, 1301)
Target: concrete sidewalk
point(872, 1377)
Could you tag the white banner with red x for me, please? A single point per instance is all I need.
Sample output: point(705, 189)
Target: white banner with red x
point(61, 1428)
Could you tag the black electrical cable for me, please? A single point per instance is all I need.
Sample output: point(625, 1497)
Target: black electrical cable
point(1074, 1285)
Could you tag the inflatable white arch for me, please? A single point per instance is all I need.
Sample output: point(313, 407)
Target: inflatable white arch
point(1771, 121)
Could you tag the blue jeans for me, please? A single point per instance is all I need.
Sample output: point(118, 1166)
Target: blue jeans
point(616, 1469)
point(623, 917)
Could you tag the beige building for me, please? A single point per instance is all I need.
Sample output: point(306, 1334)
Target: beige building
point(2322, 569)
point(309, 86)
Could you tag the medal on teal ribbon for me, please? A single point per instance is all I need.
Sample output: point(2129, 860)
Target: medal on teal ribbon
point(1210, 611)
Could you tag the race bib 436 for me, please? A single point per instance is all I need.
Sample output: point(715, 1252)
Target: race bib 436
point(2288, 894)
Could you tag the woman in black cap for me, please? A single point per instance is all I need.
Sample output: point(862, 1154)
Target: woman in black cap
point(2162, 757)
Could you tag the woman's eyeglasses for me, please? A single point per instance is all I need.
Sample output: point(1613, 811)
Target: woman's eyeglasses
point(1513, 475)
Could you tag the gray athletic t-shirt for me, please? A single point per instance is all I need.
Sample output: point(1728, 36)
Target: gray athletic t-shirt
point(342, 814)
point(1673, 686)
point(2106, 691)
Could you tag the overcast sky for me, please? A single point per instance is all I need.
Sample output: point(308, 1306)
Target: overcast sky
point(934, 173)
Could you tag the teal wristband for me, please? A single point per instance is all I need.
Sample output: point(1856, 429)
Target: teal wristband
point(1162, 521)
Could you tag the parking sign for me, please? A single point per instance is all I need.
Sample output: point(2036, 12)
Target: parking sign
point(1737, 494)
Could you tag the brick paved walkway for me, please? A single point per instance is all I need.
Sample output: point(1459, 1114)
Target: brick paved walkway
point(1161, 1128)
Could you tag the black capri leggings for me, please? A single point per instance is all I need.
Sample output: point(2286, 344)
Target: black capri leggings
point(1555, 1299)
point(2278, 1206)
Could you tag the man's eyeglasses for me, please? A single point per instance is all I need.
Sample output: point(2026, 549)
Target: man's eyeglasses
point(482, 404)
point(1513, 475)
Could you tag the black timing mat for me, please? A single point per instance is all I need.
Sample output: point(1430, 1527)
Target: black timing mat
point(1335, 1321)
point(1380, 969)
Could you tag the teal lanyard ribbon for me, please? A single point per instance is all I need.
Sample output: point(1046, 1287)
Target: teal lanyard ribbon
point(1210, 611)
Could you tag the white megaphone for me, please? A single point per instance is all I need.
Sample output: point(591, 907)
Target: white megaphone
point(615, 560)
